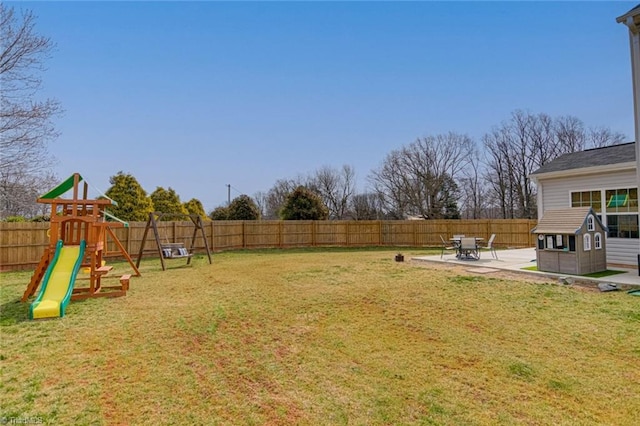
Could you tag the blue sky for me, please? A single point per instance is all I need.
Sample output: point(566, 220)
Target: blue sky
point(198, 95)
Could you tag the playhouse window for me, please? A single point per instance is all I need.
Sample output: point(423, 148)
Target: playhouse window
point(558, 242)
point(597, 240)
point(591, 226)
point(586, 242)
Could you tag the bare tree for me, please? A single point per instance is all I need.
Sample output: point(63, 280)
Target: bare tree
point(335, 187)
point(499, 170)
point(543, 134)
point(260, 198)
point(570, 134)
point(511, 152)
point(599, 137)
point(19, 192)
point(367, 206)
point(25, 122)
point(389, 183)
point(525, 142)
point(472, 189)
point(421, 178)
point(525, 162)
point(277, 196)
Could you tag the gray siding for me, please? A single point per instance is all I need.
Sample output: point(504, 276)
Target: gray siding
point(623, 251)
point(591, 261)
point(557, 261)
point(568, 263)
point(556, 194)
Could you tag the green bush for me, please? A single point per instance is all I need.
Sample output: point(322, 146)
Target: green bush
point(303, 204)
point(220, 213)
point(15, 219)
point(243, 208)
point(41, 219)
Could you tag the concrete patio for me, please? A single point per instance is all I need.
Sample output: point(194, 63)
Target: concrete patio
point(517, 259)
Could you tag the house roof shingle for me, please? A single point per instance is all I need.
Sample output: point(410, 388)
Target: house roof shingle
point(608, 155)
point(564, 221)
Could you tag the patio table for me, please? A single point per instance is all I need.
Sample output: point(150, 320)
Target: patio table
point(466, 253)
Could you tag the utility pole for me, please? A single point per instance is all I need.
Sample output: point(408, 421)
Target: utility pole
point(228, 194)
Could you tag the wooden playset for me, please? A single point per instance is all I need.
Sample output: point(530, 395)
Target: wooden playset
point(81, 221)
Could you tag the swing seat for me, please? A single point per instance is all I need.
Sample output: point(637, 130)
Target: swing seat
point(174, 251)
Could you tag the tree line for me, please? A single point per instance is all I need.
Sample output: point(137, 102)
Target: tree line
point(437, 176)
point(451, 176)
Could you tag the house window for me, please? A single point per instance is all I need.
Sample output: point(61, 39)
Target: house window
point(620, 210)
point(623, 226)
point(586, 242)
point(591, 199)
point(597, 240)
point(591, 223)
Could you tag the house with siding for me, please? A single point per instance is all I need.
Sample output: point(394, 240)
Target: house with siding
point(604, 179)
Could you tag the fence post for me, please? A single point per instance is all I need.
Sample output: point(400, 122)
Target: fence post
point(128, 235)
point(348, 234)
point(211, 232)
point(313, 233)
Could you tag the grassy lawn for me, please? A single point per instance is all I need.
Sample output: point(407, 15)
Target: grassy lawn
point(324, 337)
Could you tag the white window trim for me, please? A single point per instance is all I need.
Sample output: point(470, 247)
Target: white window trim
point(597, 241)
point(603, 204)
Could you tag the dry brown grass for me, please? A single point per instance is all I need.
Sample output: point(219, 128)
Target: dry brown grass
point(325, 337)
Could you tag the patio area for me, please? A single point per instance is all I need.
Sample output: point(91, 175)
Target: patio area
point(516, 259)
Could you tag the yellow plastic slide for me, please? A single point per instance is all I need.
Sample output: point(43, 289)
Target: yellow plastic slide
point(58, 281)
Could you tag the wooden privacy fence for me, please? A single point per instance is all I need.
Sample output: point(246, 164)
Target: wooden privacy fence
point(22, 243)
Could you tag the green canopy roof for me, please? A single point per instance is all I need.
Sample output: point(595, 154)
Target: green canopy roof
point(66, 186)
point(61, 189)
point(110, 216)
point(619, 200)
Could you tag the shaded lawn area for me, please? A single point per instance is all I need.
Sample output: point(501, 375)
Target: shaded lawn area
point(324, 337)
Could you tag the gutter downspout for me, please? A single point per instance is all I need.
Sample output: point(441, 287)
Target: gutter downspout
point(539, 198)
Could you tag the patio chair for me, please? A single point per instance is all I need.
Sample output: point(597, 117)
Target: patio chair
point(490, 246)
point(469, 248)
point(446, 247)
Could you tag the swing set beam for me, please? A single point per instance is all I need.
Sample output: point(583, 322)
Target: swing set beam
point(166, 252)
